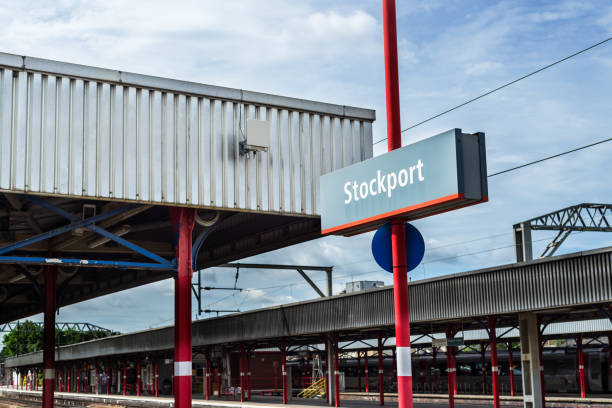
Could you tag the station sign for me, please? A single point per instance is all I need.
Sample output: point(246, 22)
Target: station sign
point(434, 175)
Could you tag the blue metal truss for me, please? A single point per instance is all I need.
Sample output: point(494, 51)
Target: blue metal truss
point(89, 223)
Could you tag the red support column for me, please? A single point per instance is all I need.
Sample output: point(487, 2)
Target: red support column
point(581, 366)
point(434, 352)
point(124, 379)
point(494, 369)
point(455, 382)
point(69, 382)
point(359, 371)
point(483, 366)
point(381, 372)
point(78, 374)
point(248, 364)
point(138, 384)
point(86, 378)
point(398, 234)
point(511, 368)
point(60, 374)
point(541, 346)
point(327, 370)
point(610, 355)
point(156, 385)
point(207, 377)
point(183, 220)
point(336, 372)
point(49, 337)
point(108, 377)
point(242, 385)
point(284, 369)
point(450, 369)
point(366, 370)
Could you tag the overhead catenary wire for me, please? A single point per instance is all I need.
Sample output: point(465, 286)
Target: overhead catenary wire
point(550, 157)
point(500, 88)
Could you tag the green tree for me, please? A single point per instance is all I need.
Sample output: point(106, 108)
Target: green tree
point(26, 337)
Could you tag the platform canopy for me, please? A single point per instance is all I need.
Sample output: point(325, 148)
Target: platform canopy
point(93, 158)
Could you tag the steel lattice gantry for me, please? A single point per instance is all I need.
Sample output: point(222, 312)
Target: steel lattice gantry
point(580, 218)
point(110, 180)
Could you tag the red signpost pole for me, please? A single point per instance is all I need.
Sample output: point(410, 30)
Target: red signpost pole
point(183, 220)
point(494, 370)
point(398, 233)
point(381, 372)
point(49, 337)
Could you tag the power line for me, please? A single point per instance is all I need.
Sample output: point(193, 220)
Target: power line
point(500, 87)
point(550, 157)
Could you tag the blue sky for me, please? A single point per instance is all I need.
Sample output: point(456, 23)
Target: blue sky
point(450, 51)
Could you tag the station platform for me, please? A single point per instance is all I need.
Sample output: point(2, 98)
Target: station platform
point(349, 400)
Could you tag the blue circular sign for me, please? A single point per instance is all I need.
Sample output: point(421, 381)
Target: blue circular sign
point(381, 247)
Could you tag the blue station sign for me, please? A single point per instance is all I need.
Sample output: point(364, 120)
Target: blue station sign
point(437, 174)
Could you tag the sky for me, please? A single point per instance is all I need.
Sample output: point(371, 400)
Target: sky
point(449, 52)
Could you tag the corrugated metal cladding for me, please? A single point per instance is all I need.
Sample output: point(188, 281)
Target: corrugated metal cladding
point(568, 280)
point(72, 130)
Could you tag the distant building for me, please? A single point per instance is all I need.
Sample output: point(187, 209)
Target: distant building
point(360, 286)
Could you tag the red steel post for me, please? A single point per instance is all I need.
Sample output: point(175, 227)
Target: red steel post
point(511, 368)
point(156, 385)
point(494, 369)
point(108, 377)
point(434, 352)
point(138, 384)
point(124, 379)
point(541, 346)
point(242, 384)
point(367, 372)
point(581, 366)
point(61, 379)
point(381, 372)
point(327, 370)
point(86, 378)
point(248, 368)
point(68, 383)
point(78, 374)
point(450, 333)
point(398, 234)
point(284, 369)
point(336, 372)
point(358, 371)
point(483, 366)
point(49, 337)
point(610, 354)
point(183, 220)
point(207, 377)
